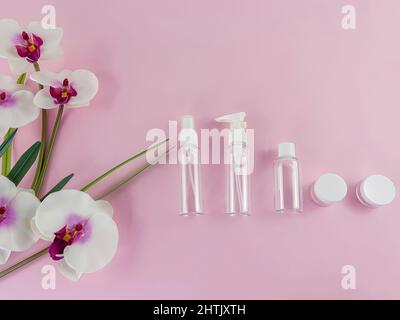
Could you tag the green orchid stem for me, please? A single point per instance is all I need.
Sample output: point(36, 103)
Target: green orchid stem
point(136, 173)
point(106, 174)
point(43, 139)
point(130, 177)
point(24, 262)
point(49, 151)
point(7, 157)
point(6, 160)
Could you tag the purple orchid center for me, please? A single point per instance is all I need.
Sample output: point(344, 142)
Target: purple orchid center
point(6, 99)
point(3, 213)
point(65, 237)
point(64, 93)
point(29, 47)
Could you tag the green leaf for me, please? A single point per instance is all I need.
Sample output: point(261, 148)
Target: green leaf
point(7, 142)
point(24, 163)
point(59, 186)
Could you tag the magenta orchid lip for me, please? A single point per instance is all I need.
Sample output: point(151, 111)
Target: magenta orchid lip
point(29, 47)
point(65, 237)
point(63, 94)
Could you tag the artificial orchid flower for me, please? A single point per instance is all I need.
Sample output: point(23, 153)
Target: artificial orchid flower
point(23, 47)
point(17, 208)
point(84, 236)
point(69, 88)
point(16, 105)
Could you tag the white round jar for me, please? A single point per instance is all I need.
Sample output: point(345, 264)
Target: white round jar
point(329, 189)
point(376, 191)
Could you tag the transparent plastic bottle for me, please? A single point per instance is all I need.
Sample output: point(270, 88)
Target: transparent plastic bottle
point(238, 175)
point(191, 200)
point(288, 191)
point(238, 181)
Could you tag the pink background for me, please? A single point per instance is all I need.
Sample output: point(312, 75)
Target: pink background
point(298, 75)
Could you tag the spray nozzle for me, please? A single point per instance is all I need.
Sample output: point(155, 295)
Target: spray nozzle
point(236, 120)
point(237, 135)
point(237, 126)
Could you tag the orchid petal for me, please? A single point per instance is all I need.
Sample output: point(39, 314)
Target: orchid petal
point(105, 207)
point(55, 211)
point(18, 65)
point(68, 272)
point(3, 130)
point(8, 190)
point(8, 84)
point(44, 100)
point(86, 84)
point(99, 249)
point(4, 255)
point(55, 53)
point(47, 78)
point(37, 232)
point(9, 30)
point(18, 236)
point(51, 38)
point(24, 111)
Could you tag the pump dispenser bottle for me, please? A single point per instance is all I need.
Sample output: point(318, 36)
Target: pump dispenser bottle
point(191, 202)
point(237, 162)
point(288, 191)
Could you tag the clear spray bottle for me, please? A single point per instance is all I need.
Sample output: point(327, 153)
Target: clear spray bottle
point(191, 202)
point(238, 175)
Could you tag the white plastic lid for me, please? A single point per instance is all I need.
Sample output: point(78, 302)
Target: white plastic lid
point(187, 122)
point(188, 135)
point(377, 190)
point(329, 189)
point(287, 149)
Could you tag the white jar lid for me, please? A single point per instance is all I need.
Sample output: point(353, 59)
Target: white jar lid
point(377, 190)
point(329, 189)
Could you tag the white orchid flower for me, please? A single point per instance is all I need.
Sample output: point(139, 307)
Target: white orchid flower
point(84, 236)
point(16, 105)
point(17, 208)
point(69, 88)
point(22, 47)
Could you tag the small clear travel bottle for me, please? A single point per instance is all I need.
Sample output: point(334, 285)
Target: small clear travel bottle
point(191, 202)
point(238, 175)
point(288, 191)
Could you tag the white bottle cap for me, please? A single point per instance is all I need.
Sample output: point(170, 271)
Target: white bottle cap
point(376, 191)
point(329, 189)
point(187, 122)
point(188, 135)
point(287, 149)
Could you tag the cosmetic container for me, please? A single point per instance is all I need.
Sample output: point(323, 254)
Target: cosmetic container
point(288, 191)
point(376, 191)
point(237, 165)
point(328, 189)
point(188, 155)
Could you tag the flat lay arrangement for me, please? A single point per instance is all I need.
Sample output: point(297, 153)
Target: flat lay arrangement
point(205, 149)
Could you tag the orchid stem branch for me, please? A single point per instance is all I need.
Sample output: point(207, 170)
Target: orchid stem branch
point(6, 160)
point(49, 151)
point(106, 174)
point(24, 262)
point(43, 139)
point(130, 177)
